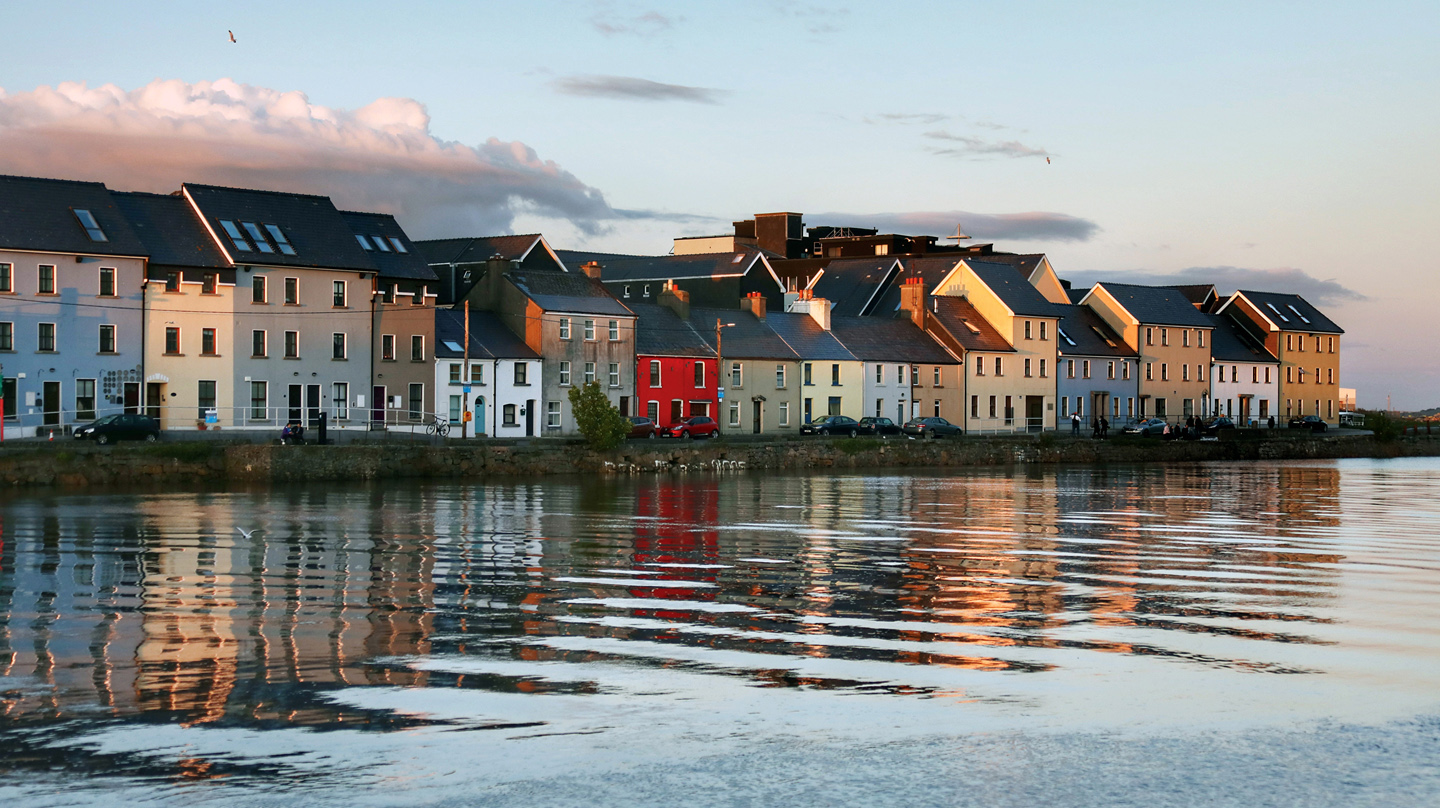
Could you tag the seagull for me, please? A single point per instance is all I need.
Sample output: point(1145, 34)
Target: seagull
point(231, 33)
point(246, 533)
point(1047, 159)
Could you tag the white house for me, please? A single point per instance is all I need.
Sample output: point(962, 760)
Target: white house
point(1244, 377)
point(504, 377)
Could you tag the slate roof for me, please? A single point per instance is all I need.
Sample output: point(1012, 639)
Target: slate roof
point(1077, 295)
point(489, 338)
point(574, 258)
point(1288, 319)
point(1230, 342)
point(478, 249)
point(1014, 289)
point(311, 224)
point(671, 267)
point(956, 315)
point(37, 214)
point(566, 292)
point(1090, 334)
point(660, 332)
point(1024, 264)
point(854, 285)
point(807, 338)
point(889, 339)
point(409, 265)
point(930, 269)
point(1197, 293)
point(1157, 305)
point(750, 337)
point(169, 229)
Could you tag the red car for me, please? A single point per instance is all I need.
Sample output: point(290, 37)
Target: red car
point(697, 427)
point(641, 427)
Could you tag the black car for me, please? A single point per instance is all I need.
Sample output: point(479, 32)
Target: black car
point(1215, 426)
point(1314, 423)
point(884, 427)
point(831, 425)
point(641, 427)
point(931, 428)
point(113, 428)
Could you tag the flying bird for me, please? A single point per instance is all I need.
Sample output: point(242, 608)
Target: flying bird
point(246, 533)
point(1047, 161)
point(231, 33)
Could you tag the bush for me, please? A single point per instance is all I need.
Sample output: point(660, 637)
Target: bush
point(597, 419)
point(1385, 426)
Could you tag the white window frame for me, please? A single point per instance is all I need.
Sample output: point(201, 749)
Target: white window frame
point(589, 330)
point(564, 328)
point(553, 413)
point(564, 373)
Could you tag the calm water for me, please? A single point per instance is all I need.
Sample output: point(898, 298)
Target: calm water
point(1268, 634)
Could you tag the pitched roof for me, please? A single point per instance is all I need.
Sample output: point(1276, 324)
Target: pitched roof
point(39, 214)
point(929, 269)
point(574, 258)
point(407, 265)
point(750, 338)
point(854, 285)
point(171, 232)
point(311, 224)
point(1013, 289)
point(1197, 293)
point(673, 267)
point(660, 332)
point(1085, 333)
point(1291, 312)
point(442, 250)
point(489, 338)
point(807, 338)
point(566, 292)
point(1159, 305)
point(1024, 264)
point(478, 249)
point(1230, 342)
point(888, 339)
point(966, 325)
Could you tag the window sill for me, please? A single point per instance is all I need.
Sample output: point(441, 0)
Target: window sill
point(387, 360)
point(259, 302)
point(107, 297)
point(339, 359)
point(164, 354)
point(520, 384)
point(210, 354)
point(288, 303)
point(335, 308)
point(292, 358)
point(47, 294)
point(97, 353)
point(417, 361)
point(260, 356)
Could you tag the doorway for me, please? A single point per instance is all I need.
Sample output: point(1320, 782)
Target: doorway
point(312, 405)
point(530, 418)
point(132, 398)
point(154, 396)
point(293, 404)
point(479, 416)
point(377, 405)
point(1244, 410)
point(51, 403)
point(757, 417)
point(1099, 405)
point(1034, 413)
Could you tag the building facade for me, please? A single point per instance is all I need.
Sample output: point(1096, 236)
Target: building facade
point(1171, 339)
point(1306, 344)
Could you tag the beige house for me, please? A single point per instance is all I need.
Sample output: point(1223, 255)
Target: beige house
point(1306, 342)
point(1171, 339)
point(765, 396)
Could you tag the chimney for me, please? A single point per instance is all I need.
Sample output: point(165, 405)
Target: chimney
point(755, 304)
point(486, 292)
point(591, 269)
point(675, 299)
point(912, 300)
point(817, 307)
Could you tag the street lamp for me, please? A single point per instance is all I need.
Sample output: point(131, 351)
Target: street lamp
point(719, 364)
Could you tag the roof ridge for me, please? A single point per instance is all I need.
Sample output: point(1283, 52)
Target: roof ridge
point(265, 191)
point(53, 179)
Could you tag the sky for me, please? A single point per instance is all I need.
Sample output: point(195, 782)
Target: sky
point(1275, 146)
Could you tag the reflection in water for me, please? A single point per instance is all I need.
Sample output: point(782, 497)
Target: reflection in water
point(1065, 593)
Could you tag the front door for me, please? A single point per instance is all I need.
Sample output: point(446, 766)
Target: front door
point(676, 416)
point(377, 405)
point(293, 404)
point(530, 418)
point(1244, 410)
point(756, 416)
point(312, 405)
point(1034, 413)
point(1099, 405)
point(132, 398)
point(154, 396)
point(51, 404)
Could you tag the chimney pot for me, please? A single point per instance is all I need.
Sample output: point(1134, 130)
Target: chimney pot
point(755, 304)
point(591, 269)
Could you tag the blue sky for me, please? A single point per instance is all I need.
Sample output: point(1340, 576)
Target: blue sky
point(1289, 136)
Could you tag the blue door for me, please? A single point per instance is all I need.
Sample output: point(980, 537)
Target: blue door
point(479, 415)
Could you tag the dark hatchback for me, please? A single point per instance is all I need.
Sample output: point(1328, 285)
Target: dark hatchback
point(932, 428)
point(1314, 423)
point(641, 427)
point(884, 427)
point(831, 425)
point(114, 428)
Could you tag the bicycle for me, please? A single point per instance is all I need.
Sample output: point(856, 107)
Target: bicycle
point(438, 426)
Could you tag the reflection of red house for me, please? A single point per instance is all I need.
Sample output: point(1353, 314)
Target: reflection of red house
point(675, 373)
point(677, 526)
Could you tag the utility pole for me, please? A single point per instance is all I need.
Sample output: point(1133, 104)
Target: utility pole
point(719, 367)
point(465, 385)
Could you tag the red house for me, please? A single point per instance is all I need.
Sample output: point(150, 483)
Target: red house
point(675, 373)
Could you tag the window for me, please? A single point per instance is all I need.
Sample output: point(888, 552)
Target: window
point(1149, 371)
point(1164, 336)
point(84, 399)
point(387, 294)
point(974, 406)
point(46, 283)
point(647, 290)
point(7, 336)
point(937, 408)
point(1110, 370)
point(1267, 375)
point(1317, 344)
point(206, 397)
point(1200, 373)
point(1289, 374)
point(552, 414)
point(879, 373)
point(879, 407)
point(387, 347)
point(979, 366)
point(614, 330)
point(1330, 343)
point(614, 374)
point(589, 330)
point(107, 281)
point(992, 406)
point(337, 345)
point(589, 372)
point(418, 298)
point(172, 281)
point(900, 374)
point(1185, 338)
point(235, 235)
point(364, 243)
point(1064, 406)
point(339, 293)
point(1027, 367)
point(1254, 374)
point(1027, 330)
point(257, 290)
point(292, 291)
point(417, 348)
point(454, 372)
point(835, 376)
point(1160, 409)
point(1184, 373)
point(292, 344)
point(699, 374)
point(1045, 374)
point(1069, 368)
point(258, 400)
point(477, 373)
point(1329, 375)
point(398, 245)
point(208, 282)
point(734, 413)
point(416, 402)
point(1149, 336)
point(340, 399)
point(564, 373)
point(999, 366)
point(1200, 336)
point(784, 413)
point(779, 377)
point(172, 340)
point(807, 378)
point(1085, 369)
point(564, 328)
point(455, 413)
point(92, 227)
point(937, 376)
point(737, 374)
point(7, 278)
point(1164, 371)
point(1043, 326)
point(1125, 371)
point(833, 406)
point(627, 290)
point(652, 411)
point(380, 243)
point(522, 370)
point(107, 339)
point(509, 412)
point(257, 237)
point(207, 341)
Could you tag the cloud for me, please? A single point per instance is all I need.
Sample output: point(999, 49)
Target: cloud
point(632, 89)
point(1031, 226)
point(927, 118)
point(817, 19)
point(379, 157)
point(976, 148)
point(647, 24)
point(1227, 279)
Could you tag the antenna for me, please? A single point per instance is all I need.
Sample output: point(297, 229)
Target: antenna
point(959, 234)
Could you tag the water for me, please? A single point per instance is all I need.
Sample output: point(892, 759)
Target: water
point(1264, 634)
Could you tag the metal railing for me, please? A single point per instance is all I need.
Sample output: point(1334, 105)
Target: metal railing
point(38, 422)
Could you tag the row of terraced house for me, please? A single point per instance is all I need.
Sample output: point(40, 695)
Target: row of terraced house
point(241, 309)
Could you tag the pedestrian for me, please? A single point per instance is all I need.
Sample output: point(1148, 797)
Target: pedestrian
point(1074, 423)
point(1104, 427)
point(1272, 422)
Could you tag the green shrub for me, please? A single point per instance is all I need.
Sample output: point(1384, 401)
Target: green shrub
point(1385, 426)
point(597, 419)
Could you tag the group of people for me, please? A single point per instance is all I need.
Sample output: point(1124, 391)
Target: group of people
point(1099, 428)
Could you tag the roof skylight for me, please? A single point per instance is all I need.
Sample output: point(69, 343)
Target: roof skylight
point(280, 241)
point(92, 227)
point(399, 248)
point(1101, 335)
point(1277, 312)
point(1291, 307)
point(454, 346)
point(257, 237)
point(235, 236)
point(380, 242)
point(1065, 336)
point(364, 242)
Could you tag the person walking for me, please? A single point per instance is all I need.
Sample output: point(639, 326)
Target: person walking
point(1074, 423)
point(1104, 427)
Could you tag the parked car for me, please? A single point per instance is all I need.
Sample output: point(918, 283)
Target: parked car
point(931, 428)
point(113, 428)
point(1214, 427)
point(831, 425)
point(1314, 423)
point(1150, 427)
point(697, 427)
point(641, 427)
point(884, 427)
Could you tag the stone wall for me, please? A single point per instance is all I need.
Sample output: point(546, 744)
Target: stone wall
point(208, 463)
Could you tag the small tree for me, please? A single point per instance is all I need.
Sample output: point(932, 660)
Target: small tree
point(598, 420)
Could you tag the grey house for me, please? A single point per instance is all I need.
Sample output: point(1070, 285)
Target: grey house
point(71, 312)
point(764, 397)
point(1096, 371)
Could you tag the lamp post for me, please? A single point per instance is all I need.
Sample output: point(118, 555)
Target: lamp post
point(719, 365)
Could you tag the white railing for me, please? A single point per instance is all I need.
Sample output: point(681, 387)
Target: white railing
point(36, 421)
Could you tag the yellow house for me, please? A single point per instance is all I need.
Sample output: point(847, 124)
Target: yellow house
point(832, 380)
point(1172, 340)
point(1307, 344)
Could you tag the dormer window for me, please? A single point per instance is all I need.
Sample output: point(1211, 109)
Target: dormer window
point(92, 227)
point(364, 243)
point(236, 237)
point(380, 242)
point(399, 248)
point(256, 236)
point(278, 237)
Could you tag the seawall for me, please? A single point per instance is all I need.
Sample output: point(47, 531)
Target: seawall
point(191, 464)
